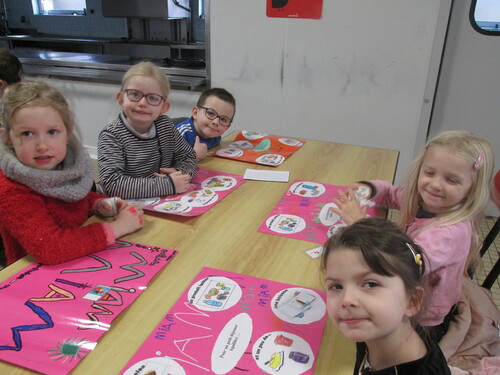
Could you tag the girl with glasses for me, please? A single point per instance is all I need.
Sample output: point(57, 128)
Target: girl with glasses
point(140, 154)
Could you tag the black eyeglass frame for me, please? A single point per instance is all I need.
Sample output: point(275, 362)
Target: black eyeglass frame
point(147, 96)
point(217, 116)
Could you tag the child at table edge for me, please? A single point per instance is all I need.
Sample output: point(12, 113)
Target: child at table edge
point(373, 274)
point(140, 154)
point(45, 183)
point(210, 118)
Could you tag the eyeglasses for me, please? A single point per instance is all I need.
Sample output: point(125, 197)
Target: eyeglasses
point(224, 121)
point(136, 96)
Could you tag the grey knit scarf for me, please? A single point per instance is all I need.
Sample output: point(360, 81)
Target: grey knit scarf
point(70, 183)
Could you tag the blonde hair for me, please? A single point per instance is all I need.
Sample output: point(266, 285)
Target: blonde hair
point(148, 69)
point(471, 148)
point(35, 94)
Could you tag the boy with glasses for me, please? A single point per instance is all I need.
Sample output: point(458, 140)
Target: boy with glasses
point(140, 154)
point(210, 118)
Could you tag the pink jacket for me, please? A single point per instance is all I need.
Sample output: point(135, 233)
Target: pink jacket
point(446, 249)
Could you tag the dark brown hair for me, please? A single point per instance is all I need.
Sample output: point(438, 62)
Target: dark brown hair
point(11, 69)
point(218, 92)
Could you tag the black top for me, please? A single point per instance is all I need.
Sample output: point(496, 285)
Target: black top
point(433, 363)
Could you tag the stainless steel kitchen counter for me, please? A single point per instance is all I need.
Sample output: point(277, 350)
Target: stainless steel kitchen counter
point(100, 68)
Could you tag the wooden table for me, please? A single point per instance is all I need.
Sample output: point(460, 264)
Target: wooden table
point(226, 238)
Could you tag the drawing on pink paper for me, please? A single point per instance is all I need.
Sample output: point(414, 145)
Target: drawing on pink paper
point(304, 212)
point(260, 148)
point(207, 188)
point(57, 313)
point(229, 323)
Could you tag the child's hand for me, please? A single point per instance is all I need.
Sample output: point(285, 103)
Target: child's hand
point(349, 208)
point(360, 190)
point(129, 220)
point(109, 207)
point(200, 149)
point(181, 181)
point(121, 204)
point(165, 171)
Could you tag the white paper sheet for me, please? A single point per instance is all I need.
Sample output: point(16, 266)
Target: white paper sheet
point(264, 175)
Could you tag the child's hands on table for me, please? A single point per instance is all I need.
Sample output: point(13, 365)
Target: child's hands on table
point(180, 180)
point(128, 220)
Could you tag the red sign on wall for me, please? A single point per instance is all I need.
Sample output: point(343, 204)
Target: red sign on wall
point(294, 8)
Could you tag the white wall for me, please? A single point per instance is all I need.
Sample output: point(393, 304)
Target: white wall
point(362, 74)
point(468, 92)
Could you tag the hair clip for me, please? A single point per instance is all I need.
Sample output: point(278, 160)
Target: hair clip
point(479, 160)
point(416, 256)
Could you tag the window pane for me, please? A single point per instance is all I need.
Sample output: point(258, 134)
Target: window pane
point(485, 16)
point(60, 7)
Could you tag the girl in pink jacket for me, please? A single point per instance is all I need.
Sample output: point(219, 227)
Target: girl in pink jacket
point(441, 206)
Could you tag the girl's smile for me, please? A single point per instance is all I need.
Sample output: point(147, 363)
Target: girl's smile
point(352, 321)
point(445, 179)
point(43, 159)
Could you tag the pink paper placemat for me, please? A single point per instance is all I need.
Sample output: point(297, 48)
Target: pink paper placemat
point(304, 212)
point(230, 323)
point(52, 316)
point(207, 189)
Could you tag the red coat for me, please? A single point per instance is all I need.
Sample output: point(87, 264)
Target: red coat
point(48, 228)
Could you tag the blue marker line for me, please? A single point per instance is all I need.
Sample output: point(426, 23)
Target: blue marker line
point(16, 336)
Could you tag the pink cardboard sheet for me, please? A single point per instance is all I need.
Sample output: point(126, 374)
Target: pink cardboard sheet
point(208, 188)
point(52, 316)
point(304, 212)
point(260, 148)
point(229, 323)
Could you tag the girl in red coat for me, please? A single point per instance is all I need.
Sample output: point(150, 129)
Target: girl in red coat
point(45, 182)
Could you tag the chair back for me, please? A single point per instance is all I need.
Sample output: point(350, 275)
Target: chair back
point(492, 276)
